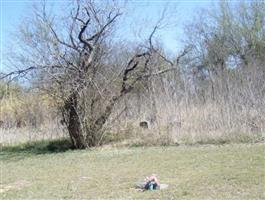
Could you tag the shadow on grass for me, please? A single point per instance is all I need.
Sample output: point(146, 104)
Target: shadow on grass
point(35, 148)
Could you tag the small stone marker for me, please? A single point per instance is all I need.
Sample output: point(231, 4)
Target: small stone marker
point(144, 124)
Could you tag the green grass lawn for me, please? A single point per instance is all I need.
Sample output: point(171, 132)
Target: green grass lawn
point(192, 172)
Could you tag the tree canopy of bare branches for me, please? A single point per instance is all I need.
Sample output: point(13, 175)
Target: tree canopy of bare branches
point(74, 60)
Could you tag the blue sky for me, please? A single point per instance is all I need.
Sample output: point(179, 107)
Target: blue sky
point(13, 12)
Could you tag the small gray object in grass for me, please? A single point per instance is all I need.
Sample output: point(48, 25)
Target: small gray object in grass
point(163, 186)
point(140, 185)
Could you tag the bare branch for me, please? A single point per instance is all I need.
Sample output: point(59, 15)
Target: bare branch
point(23, 72)
point(96, 36)
point(48, 22)
point(74, 18)
point(151, 36)
point(18, 72)
point(185, 51)
point(80, 35)
point(128, 69)
point(59, 40)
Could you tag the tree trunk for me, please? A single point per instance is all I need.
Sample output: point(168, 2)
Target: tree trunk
point(84, 135)
point(72, 120)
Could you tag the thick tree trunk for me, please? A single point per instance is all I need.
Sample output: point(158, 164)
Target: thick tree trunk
point(84, 135)
point(93, 137)
point(73, 122)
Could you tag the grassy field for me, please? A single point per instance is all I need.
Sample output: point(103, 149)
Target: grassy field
point(192, 172)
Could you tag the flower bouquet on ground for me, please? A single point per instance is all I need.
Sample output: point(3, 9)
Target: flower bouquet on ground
point(150, 183)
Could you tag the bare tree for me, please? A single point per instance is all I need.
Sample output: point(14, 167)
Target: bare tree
point(73, 59)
